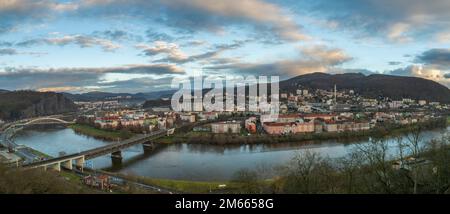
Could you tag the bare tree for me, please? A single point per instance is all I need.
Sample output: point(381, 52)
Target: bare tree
point(375, 154)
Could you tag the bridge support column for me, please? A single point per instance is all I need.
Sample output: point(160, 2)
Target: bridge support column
point(54, 167)
point(148, 146)
point(116, 157)
point(80, 163)
point(67, 164)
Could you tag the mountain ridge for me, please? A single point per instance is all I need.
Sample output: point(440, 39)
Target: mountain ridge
point(372, 86)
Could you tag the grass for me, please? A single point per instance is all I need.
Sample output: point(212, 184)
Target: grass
point(70, 176)
point(448, 120)
point(189, 186)
point(183, 186)
point(101, 134)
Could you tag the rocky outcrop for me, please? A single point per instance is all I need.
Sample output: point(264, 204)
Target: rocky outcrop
point(24, 104)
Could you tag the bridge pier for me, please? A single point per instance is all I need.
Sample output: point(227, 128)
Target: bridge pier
point(67, 164)
point(55, 167)
point(79, 162)
point(149, 147)
point(116, 157)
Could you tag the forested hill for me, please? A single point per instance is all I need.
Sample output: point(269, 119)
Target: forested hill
point(375, 85)
point(23, 104)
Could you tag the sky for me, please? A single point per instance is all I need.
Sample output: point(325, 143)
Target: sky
point(135, 46)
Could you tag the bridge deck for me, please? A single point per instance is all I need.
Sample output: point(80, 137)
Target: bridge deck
point(104, 150)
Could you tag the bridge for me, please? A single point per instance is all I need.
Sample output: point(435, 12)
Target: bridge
point(78, 159)
point(8, 131)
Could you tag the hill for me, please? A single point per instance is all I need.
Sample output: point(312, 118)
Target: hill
point(23, 104)
point(373, 86)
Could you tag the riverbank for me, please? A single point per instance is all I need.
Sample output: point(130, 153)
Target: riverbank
point(101, 134)
point(390, 130)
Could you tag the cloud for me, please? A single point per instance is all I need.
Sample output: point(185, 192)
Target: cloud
point(141, 84)
point(154, 35)
point(160, 47)
point(38, 78)
point(11, 51)
point(312, 59)
point(117, 35)
point(394, 20)
point(437, 57)
point(201, 15)
point(443, 37)
point(82, 41)
point(398, 33)
point(8, 51)
point(423, 71)
point(196, 42)
point(175, 55)
point(5, 44)
point(60, 89)
point(433, 64)
point(394, 63)
point(16, 12)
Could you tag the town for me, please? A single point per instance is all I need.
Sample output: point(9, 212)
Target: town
point(305, 111)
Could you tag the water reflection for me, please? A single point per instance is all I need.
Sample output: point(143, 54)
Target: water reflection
point(190, 161)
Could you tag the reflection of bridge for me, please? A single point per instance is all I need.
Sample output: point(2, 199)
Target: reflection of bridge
point(115, 149)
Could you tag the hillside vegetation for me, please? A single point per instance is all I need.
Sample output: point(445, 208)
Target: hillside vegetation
point(23, 104)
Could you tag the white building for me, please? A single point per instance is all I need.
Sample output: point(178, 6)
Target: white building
point(422, 102)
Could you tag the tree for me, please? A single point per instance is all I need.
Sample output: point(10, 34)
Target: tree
point(248, 181)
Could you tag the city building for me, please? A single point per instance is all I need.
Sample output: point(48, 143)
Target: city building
point(279, 128)
point(187, 117)
point(226, 127)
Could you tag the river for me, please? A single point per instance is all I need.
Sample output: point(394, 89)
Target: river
point(190, 161)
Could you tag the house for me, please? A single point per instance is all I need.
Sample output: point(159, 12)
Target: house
point(330, 126)
point(188, 117)
point(250, 125)
point(162, 123)
point(396, 104)
point(305, 109)
point(353, 126)
point(287, 118)
point(170, 122)
point(208, 115)
point(276, 128)
point(101, 181)
point(305, 127)
point(279, 128)
point(320, 116)
point(318, 126)
point(226, 127)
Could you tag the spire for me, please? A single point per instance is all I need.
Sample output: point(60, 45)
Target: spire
point(335, 94)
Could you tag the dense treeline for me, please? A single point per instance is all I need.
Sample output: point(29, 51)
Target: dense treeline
point(24, 104)
point(417, 168)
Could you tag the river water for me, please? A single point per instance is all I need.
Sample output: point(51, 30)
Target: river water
point(191, 161)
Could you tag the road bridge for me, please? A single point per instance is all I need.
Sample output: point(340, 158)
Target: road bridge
point(115, 149)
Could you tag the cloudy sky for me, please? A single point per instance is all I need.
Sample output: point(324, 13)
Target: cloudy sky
point(140, 45)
